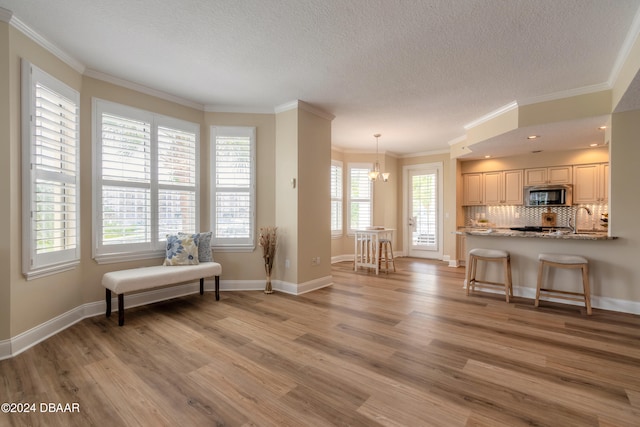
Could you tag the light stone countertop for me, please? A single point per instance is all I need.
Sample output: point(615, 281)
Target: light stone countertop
point(562, 234)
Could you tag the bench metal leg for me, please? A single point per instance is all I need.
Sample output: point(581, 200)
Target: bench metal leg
point(108, 300)
point(217, 288)
point(120, 309)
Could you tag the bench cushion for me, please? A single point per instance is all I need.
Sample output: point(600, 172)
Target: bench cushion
point(137, 279)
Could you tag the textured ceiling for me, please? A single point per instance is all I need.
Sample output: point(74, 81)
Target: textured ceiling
point(414, 71)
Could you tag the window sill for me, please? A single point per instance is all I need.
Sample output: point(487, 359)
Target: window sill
point(50, 270)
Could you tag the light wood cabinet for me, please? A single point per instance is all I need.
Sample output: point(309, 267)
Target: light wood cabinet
point(503, 187)
point(591, 183)
point(550, 175)
point(472, 189)
point(461, 249)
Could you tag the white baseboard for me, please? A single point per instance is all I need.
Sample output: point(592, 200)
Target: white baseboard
point(604, 303)
point(24, 341)
point(5, 349)
point(341, 258)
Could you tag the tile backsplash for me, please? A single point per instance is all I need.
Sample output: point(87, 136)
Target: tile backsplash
point(519, 216)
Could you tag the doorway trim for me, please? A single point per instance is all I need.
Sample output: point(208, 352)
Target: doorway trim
point(406, 236)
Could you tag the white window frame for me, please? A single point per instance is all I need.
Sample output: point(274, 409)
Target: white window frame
point(350, 199)
point(338, 197)
point(241, 244)
point(41, 264)
point(155, 246)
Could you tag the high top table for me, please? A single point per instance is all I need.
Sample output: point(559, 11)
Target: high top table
point(367, 247)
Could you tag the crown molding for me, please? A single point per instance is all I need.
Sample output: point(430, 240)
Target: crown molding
point(143, 89)
point(584, 90)
point(492, 115)
point(304, 106)
point(625, 50)
point(5, 15)
point(50, 47)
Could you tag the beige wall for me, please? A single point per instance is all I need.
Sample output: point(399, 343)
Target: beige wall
point(303, 153)
point(565, 109)
point(287, 197)
point(314, 208)
point(544, 159)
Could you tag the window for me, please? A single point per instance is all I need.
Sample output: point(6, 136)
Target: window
point(336, 198)
point(51, 208)
point(233, 183)
point(146, 182)
point(360, 196)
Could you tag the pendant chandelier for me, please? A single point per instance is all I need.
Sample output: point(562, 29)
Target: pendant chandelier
point(375, 173)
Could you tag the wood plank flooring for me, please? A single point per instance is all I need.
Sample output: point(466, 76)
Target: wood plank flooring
point(407, 349)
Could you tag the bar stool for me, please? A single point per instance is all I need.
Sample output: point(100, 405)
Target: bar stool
point(385, 244)
point(564, 261)
point(490, 255)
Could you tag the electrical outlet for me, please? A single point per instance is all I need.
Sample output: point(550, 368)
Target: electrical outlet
point(287, 264)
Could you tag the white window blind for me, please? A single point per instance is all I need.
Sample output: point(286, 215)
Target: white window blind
point(176, 181)
point(51, 207)
point(360, 197)
point(126, 180)
point(336, 197)
point(146, 183)
point(233, 186)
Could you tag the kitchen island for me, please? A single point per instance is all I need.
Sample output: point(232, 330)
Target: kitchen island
point(547, 234)
point(524, 248)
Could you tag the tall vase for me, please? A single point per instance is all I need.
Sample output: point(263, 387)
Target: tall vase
point(267, 288)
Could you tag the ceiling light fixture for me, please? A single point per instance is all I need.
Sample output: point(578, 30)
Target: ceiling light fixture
point(602, 128)
point(375, 173)
point(533, 137)
point(595, 144)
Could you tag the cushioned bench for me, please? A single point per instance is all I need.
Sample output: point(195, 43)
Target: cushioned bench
point(138, 279)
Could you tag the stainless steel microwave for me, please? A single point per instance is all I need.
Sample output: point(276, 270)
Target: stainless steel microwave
point(548, 195)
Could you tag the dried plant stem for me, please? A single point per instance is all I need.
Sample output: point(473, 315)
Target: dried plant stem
point(268, 241)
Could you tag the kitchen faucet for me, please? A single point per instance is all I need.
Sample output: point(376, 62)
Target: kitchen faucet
point(574, 227)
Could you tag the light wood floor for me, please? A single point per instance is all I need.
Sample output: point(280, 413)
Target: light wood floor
point(408, 349)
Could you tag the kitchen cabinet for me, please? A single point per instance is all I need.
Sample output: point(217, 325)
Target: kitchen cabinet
point(591, 183)
point(546, 176)
point(503, 187)
point(472, 189)
point(461, 249)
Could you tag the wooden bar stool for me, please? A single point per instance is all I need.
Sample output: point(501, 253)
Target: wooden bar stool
point(386, 249)
point(490, 255)
point(564, 261)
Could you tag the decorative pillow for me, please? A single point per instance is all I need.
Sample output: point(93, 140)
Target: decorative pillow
point(182, 249)
point(204, 245)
